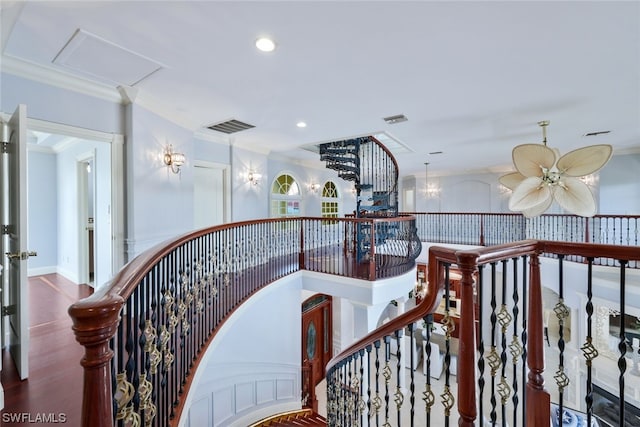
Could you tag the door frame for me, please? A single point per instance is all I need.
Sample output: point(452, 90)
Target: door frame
point(116, 142)
point(226, 184)
point(326, 335)
point(83, 217)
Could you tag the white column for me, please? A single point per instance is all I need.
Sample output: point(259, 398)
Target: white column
point(575, 326)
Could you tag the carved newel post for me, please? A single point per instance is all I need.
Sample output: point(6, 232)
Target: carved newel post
point(538, 401)
point(95, 321)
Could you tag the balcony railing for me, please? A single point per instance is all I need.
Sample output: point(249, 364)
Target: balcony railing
point(145, 331)
point(488, 229)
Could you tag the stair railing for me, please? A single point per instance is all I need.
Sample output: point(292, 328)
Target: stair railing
point(493, 341)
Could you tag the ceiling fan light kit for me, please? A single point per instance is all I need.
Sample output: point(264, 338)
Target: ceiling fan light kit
point(543, 175)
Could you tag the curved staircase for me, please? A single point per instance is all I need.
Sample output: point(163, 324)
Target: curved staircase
point(303, 417)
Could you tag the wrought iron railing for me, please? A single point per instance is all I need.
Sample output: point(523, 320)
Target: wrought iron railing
point(494, 342)
point(145, 331)
point(488, 229)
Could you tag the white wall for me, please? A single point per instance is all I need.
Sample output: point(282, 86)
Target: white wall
point(618, 193)
point(160, 203)
point(252, 368)
point(68, 210)
point(617, 190)
point(43, 211)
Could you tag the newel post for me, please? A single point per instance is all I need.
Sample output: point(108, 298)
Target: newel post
point(467, 344)
point(301, 260)
point(372, 252)
point(538, 401)
point(95, 322)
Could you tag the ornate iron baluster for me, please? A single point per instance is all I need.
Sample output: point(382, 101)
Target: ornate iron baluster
point(514, 347)
point(448, 400)
point(523, 336)
point(377, 401)
point(481, 381)
point(427, 396)
point(562, 312)
point(588, 349)
point(622, 345)
point(493, 359)
point(504, 318)
point(398, 396)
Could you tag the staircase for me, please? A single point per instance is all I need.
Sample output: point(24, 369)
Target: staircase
point(374, 171)
point(304, 417)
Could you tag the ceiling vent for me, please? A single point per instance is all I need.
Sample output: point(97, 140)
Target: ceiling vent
point(392, 120)
point(231, 126)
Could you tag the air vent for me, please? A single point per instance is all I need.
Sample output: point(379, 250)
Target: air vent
point(231, 126)
point(600, 132)
point(395, 119)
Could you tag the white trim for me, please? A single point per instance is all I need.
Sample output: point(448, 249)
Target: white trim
point(208, 135)
point(118, 259)
point(226, 176)
point(40, 271)
point(117, 177)
point(54, 77)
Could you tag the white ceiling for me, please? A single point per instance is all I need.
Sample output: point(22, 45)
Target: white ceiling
point(473, 78)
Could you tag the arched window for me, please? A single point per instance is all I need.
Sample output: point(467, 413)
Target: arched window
point(285, 197)
point(329, 200)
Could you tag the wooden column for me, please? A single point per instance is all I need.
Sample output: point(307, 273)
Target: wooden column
point(95, 322)
point(538, 401)
point(301, 260)
point(467, 344)
point(372, 252)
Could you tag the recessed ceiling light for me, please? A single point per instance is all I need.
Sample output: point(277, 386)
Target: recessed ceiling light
point(301, 124)
point(265, 44)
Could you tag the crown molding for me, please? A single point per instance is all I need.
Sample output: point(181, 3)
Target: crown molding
point(207, 135)
point(120, 95)
point(51, 76)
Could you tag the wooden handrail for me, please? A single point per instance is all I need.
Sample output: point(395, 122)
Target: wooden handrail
point(537, 400)
point(97, 319)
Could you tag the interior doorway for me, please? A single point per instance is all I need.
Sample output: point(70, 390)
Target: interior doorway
point(86, 219)
point(211, 185)
point(75, 202)
point(317, 343)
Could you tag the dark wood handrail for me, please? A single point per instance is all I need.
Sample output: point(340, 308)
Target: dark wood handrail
point(97, 319)
point(467, 262)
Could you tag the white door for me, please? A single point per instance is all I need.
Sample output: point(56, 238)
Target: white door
point(209, 195)
point(14, 242)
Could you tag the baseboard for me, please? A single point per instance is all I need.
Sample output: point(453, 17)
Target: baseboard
point(68, 275)
point(39, 271)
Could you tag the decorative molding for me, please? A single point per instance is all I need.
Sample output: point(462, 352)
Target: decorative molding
point(205, 134)
point(54, 77)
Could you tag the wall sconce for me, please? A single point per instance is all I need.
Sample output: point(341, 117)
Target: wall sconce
point(173, 160)
point(253, 177)
point(314, 187)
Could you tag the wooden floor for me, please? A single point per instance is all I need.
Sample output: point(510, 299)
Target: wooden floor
point(54, 385)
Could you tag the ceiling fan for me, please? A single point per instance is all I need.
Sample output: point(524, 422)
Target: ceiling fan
point(544, 176)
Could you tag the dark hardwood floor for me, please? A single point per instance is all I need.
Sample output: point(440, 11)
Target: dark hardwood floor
point(54, 387)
